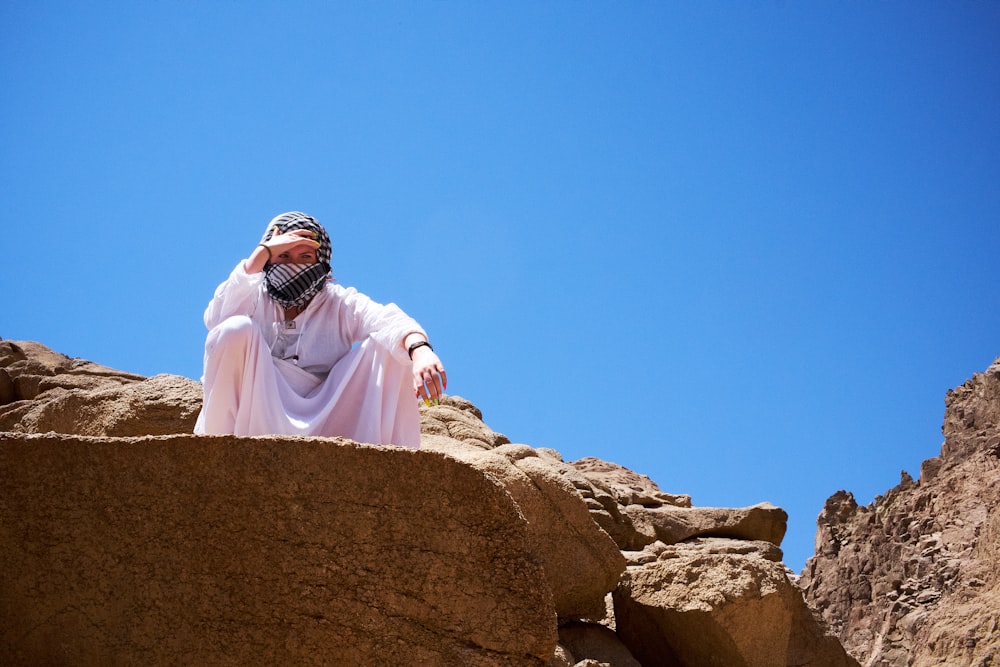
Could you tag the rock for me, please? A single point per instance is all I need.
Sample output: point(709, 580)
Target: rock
point(562, 658)
point(33, 355)
point(635, 512)
point(160, 405)
point(459, 419)
point(626, 486)
point(8, 393)
point(222, 550)
point(598, 642)
point(912, 578)
point(720, 609)
point(668, 524)
point(581, 562)
point(49, 391)
point(166, 549)
point(715, 545)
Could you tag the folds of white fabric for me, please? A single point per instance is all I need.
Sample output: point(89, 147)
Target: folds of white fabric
point(366, 396)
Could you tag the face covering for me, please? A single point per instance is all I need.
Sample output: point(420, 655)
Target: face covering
point(295, 284)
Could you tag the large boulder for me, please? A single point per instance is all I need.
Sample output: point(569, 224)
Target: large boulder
point(762, 522)
point(222, 550)
point(636, 512)
point(703, 607)
point(582, 563)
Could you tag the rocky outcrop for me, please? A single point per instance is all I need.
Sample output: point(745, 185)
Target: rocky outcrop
point(912, 578)
point(166, 549)
point(220, 550)
point(582, 562)
point(42, 390)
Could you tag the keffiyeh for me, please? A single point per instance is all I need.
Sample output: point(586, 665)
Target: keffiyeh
point(295, 284)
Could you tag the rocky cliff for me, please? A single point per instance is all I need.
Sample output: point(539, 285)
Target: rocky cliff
point(914, 577)
point(126, 540)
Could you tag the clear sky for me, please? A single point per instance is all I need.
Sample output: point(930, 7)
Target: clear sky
point(744, 248)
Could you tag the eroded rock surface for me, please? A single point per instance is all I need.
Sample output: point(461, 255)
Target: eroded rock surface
point(912, 578)
point(740, 605)
point(42, 391)
point(149, 548)
point(222, 550)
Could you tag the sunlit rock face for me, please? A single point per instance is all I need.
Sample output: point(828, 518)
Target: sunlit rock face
point(912, 578)
point(125, 539)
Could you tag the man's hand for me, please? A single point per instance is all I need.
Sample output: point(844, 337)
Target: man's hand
point(296, 246)
point(429, 377)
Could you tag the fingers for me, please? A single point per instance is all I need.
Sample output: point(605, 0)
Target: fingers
point(429, 391)
point(429, 383)
point(291, 242)
point(435, 385)
point(304, 234)
point(295, 238)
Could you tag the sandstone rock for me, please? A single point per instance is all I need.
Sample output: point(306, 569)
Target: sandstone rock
point(47, 391)
point(293, 550)
point(728, 610)
point(635, 512)
point(715, 545)
point(160, 405)
point(668, 524)
point(598, 642)
point(459, 419)
point(911, 579)
point(581, 562)
point(8, 393)
point(562, 658)
point(626, 486)
point(35, 369)
point(31, 353)
point(222, 550)
point(608, 488)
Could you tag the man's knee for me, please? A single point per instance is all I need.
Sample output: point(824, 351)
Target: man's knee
point(237, 330)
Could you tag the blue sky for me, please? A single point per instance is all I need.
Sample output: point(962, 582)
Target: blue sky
point(743, 248)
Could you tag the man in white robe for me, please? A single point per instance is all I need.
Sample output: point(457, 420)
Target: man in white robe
point(289, 352)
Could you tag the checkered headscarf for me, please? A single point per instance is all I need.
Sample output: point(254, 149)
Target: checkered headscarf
point(295, 284)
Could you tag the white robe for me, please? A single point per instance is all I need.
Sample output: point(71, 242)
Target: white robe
point(341, 371)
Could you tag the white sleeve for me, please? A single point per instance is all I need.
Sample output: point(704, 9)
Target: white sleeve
point(386, 324)
point(238, 295)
